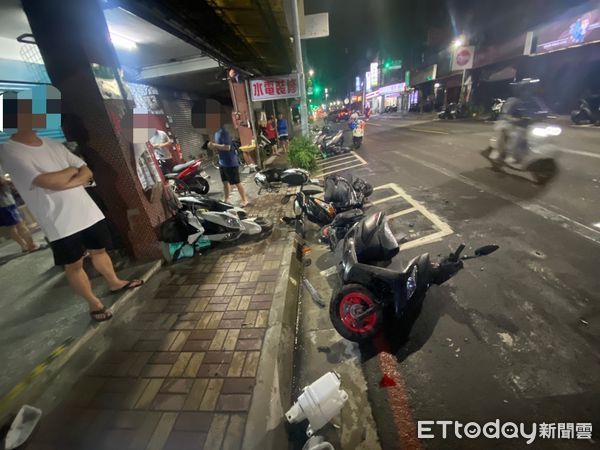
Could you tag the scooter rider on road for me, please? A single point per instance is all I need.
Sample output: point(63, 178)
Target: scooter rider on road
point(515, 120)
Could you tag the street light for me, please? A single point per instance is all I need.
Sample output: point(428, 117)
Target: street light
point(311, 72)
point(458, 42)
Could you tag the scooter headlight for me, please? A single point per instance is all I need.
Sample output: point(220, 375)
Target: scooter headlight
point(411, 282)
point(546, 131)
point(297, 208)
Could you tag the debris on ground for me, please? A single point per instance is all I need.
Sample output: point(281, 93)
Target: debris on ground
point(21, 428)
point(386, 381)
point(583, 321)
point(313, 293)
point(319, 403)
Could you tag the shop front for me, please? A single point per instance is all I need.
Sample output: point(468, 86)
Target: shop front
point(392, 95)
point(374, 101)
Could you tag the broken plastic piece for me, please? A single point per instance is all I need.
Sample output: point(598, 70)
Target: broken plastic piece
point(317, 443)
point(318, 403)
point(313, 293)
point(386, 381)
point(22, 427)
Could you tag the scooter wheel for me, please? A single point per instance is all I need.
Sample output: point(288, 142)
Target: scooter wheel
point(543, 171)
point(348, 303)
point(200, 186)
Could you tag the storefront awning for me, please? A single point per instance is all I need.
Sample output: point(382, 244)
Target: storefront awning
point(503, 74)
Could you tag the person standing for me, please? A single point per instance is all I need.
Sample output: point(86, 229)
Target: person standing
point(229, 165)
point(271, 133)
point(11, 219)
point(51, 181)
point(160, 142)
point(282, 132)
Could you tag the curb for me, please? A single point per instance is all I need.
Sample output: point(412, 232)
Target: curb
point(265, 427)
point(34, 388)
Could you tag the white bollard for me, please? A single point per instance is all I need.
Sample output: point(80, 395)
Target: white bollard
point(318, 403)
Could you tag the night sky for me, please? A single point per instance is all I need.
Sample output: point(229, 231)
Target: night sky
point(398, 29)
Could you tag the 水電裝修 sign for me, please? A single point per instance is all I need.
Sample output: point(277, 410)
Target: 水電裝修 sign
point(285, 86)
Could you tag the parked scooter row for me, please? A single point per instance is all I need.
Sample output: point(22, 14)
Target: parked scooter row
point(189, 176)
point(330, 142)
point(454, 111)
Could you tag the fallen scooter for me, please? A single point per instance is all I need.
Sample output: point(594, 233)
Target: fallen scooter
point(374, 280)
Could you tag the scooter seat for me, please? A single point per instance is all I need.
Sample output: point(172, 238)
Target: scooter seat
point(171, 176)
point(180, 167)
point(312, 190)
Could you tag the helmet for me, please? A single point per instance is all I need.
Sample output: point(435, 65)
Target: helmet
point(261, 180)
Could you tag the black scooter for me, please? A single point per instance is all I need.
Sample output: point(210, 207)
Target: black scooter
point(373, 279)
point(588, 111)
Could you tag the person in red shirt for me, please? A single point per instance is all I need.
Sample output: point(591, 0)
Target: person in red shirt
point(271, 133)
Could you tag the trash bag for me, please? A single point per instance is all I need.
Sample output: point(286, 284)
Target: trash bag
point(362, 186)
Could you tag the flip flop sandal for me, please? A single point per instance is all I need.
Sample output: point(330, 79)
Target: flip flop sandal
point(101, 315)
point(130, 285)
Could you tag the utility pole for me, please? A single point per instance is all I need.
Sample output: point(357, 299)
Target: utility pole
point(300, 69)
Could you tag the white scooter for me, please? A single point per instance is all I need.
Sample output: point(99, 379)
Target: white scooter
point(539, 148)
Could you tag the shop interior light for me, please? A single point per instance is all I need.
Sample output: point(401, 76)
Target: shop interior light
point(122, 41)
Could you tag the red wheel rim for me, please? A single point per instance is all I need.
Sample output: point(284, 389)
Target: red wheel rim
point(353, 304)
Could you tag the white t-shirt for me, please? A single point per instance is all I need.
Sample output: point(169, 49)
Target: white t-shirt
point(59, 213)
point(160, 137)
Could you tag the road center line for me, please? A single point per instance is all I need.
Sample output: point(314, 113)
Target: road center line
point(545, 213)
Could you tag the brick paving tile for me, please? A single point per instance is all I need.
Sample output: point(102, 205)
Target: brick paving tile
point(180, 365)
point(218, 357)
point(179, 341)
point(156, 370)
point(262, 298)
point(168, 402)
point(191, 316)
point(234, 303)
point(213, 370)
point(250, 319)
point(237, 364)
point(231, 323)
point(194, 398)
point(234, 402)
point(231, 278)
point(252, 333)
point(209, 401)
point(234, 315)
point(262, 321)
point(167, 340)
point(235, 432)
point(218, 340)
point(267, 278)
point(164, 357)
point(134, 394)
point(185, 440)
point(231, 339)
point(192, 368)
point(238, 386)
point(185, 325)
point(177, 386)
point(251, 364)
point(217, 431)
point(207, 287)
point(259, 305)
point(196, 346)
point(203, 334)
point(144, 432)
point(244, 291)
point(162, 431)
point(150, 391)
point(244, 302)
point(193, 421)
point(126, 420)
point(220, 300)
point(174, 308)
point(201, 304)
point(215, 318)
point(249, 344)
point(216, 307)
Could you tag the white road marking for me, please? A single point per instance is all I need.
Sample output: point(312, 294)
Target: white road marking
point(543, 212)
point(360, 158)
point(351, 158)
point(422, 130)
point(597, 225)
point(383, 200)
point(401, 213)
point(329, 161)
point(581, 153)
point(343, 163)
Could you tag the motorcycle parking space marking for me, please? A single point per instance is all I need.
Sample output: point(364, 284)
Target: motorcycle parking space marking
point(441, 227)
point(340, 163)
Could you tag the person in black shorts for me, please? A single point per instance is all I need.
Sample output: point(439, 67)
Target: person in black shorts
point(229, 165)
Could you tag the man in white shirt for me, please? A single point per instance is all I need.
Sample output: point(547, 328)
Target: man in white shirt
point(161, 142)
point(51, 181)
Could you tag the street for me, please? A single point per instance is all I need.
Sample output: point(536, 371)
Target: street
point(514, 336)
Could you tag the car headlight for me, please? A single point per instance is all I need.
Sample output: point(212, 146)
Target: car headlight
point(411, 282)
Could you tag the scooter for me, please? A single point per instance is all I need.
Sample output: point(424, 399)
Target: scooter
point(189, 176)
point(497, 108)
point(588, 111)
point(334, 145)
point(195, 201)
point(375, 281)
point(453, 111)
point(345, 194)
point(272, 179)
point(337, 230)
point(540, 150)
point(225, 226)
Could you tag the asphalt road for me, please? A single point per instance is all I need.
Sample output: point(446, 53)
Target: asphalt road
point(515, 336)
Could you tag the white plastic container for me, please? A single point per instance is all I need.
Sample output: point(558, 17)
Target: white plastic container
point(318, 403)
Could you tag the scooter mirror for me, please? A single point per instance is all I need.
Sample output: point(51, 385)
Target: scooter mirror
point(486, 250)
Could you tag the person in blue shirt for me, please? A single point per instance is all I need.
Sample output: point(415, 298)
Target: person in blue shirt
point(229, 164)
point(282, 132)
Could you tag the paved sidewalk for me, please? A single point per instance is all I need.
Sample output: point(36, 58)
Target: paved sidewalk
point(180, 374)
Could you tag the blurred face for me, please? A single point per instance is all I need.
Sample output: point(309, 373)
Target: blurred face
point(26, 120)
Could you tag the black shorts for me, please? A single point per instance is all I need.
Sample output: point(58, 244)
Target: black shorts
point(230, 175)
point(283, 138)
point(71, 249)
